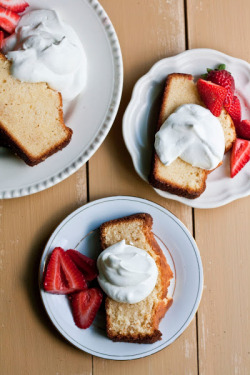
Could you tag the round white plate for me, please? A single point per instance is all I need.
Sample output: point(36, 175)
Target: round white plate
point(80, 230)
point(142, 114)
point(90, 115)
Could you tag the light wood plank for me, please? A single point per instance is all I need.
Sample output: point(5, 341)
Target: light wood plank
point(29, 342)
point(223, 234)
point(148, 31)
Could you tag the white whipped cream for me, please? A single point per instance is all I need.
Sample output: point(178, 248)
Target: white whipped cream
point(126, 273)
point(192, 133)
point(45, 49)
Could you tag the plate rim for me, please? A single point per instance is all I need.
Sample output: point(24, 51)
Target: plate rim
point(107, 121)
point(189, 237)
point(135, 93)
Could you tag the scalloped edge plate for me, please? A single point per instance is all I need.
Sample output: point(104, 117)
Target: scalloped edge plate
point(142, 113)
point(90, 115)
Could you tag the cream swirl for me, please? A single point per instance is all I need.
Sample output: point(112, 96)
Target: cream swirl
point(126, 273)
point(192, 133)
point(45, 49)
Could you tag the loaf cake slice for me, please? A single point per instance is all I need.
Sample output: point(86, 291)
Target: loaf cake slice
point(31, 117)
point(137, 322)
point(179, 177)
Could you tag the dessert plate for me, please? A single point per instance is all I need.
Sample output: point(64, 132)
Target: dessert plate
point(80, 230)
point(143, 110)
point(90, 115)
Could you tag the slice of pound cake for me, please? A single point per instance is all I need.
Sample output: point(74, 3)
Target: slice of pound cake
point(179, 177)
point(137, 322)
point(31, 117)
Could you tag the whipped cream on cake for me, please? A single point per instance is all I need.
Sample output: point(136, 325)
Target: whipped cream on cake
point(46, 49)
point(193, 134)
point(126, 273)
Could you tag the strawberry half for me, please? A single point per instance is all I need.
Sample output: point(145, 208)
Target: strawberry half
point(62, 276)
point(17, 6)
point(8, 20)
point(85, 305)
point(240, 155)
point(1, 38)
point(212, 95)
point(85, 264)
point(234, 110)
point(243, 129)
point(223, 78)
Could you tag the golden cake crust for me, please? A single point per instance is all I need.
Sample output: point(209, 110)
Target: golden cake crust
point(12, 138)
point(180, 89)
point(163, 303)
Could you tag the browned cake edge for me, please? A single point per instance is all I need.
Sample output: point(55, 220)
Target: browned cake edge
point(166, 276)
point(166, 93)
point(13, 144)
point(153, 179)
point(7, 141)
point(156, 181)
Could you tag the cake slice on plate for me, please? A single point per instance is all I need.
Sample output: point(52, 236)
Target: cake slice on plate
point(180, 177)
point(137, 322)
point(31, 117)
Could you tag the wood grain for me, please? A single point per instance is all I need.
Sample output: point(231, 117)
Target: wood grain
point(223, 234)
point(29, 342)
point(147, 31)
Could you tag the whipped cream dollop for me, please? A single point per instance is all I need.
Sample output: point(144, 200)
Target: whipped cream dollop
point(126, 273)
point(192, 133)
point(45, 49)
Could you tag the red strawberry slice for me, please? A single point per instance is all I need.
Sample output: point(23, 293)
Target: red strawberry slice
point(1, 38)
point(85, 305)
point(212, 95)
point(85, 264)
point(8, 20)
point(240, 155)
point(223, 78)
point(234, 110)
point(17, 6)
point(62, 276)
point(243, 129)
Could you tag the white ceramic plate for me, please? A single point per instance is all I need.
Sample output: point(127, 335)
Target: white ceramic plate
point(80, 230)
point(142, 113)
point(90, 115)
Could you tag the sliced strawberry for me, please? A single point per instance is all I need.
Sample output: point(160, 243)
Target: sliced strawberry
point(243, 129)
point(223, 78)
point(17, 6)
point(8, 20)
point(240, 155)
point(212, 95)
point(62, 276)
point(85, 264)
point(1, 38)
point(85, 305)
point(234, 110)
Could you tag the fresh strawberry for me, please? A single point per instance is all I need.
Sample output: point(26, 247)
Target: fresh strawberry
point(234, 110)
point(223, 78)
point(85, 305)
point(84, 263)
point(1, 38)
point(243, 129)
point(240, 155)
point(62, 276)
point(17, 6)
point(8, 20)
point(212, 95)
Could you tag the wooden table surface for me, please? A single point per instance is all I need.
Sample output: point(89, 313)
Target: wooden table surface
point(218, 339)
